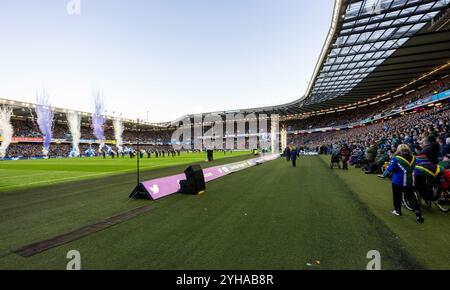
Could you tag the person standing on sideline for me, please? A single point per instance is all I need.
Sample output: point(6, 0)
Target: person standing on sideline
point(287, 153)
point(293, 157)
point(345, 155)
point(402, 169)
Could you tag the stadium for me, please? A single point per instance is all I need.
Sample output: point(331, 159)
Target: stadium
point(354, 174)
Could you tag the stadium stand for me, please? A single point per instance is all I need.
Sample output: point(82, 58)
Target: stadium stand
point(27, 139)
point(344, 118)
point(159, 140)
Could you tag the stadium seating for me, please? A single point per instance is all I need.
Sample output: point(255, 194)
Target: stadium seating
point(411, 126)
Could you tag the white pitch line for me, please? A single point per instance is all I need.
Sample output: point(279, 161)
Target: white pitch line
point(87, 175)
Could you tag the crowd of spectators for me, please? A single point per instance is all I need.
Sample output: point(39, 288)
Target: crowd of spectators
point(409, 128)
point(373, 145)
point(29, 150)
point(153, 140)
point(27, 128)
point(412, 149)
point(355, 115)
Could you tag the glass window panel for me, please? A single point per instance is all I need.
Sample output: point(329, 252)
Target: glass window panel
point(378, 45)
point(351, 65)
point(372, 26)
point(378, 54)
point(376, 17)
point(362, 20)
point(330, 61)
point(352, 39)
point(407, 11)
point(388, 53)
point(376, 35)
point(425, 7)
point(430, 15)
point(370, 63)
point(345, 31)
point(335, 51)
point(413, 1)
point(398, 3)
point(366, 47)
point(389, 32)
point(348, 58)
point(356, 48)
point(353, 9)
point(368, 56)
point(415, 18)
point(349, 24)
point(386, 23)
point(370, 69)
point(358, 57)
point(378, 62)
point(417, 27)
point(400, 20)
point(345, 50)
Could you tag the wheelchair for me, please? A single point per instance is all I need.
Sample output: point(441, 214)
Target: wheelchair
point(428, 194)
point(335, 161)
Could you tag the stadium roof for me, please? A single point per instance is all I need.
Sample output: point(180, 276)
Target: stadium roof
point(378, 45)
point(374, 48)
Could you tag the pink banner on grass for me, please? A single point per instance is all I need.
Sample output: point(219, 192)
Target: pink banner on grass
point(161, 187)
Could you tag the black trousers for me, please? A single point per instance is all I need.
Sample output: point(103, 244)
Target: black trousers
point(425, 186)
point(344, 163)
point(294, 162)
point(398, 191)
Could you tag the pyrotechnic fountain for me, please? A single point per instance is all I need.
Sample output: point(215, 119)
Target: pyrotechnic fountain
point(98, 121)
point(74, 120)
point(118, 131)
point(6, 129)
point(45, 120)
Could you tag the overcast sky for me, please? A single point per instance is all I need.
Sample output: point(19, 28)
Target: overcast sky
point(168, 57)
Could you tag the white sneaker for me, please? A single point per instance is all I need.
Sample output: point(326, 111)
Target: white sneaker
point(396, 213)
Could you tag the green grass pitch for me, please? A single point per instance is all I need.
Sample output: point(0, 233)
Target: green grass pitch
point(271, 216)
point(31, 173)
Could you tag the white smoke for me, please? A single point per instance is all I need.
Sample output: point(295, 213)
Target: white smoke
point(98, 120)
point(118, 131)
point(6, 129)
point(74, 120)
point(45, 120)
point(100, 146)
